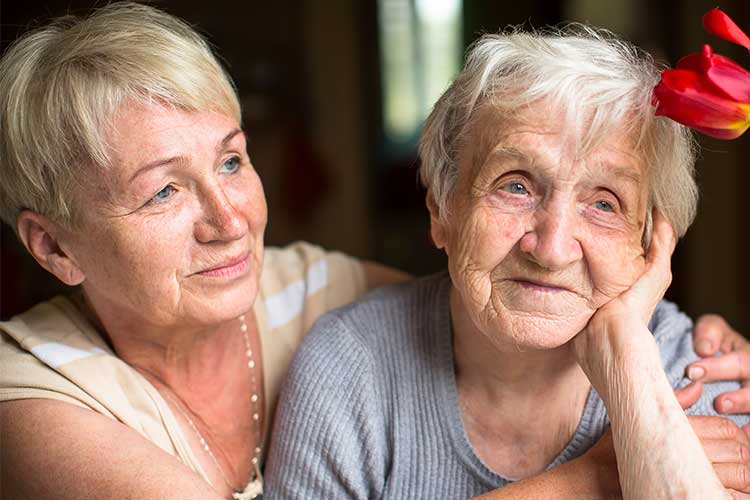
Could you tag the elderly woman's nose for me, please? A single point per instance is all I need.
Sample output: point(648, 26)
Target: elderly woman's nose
point(551, 240)
point(220, 218)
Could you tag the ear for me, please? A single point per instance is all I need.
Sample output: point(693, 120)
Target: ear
point(40, 237)
point(437, 223)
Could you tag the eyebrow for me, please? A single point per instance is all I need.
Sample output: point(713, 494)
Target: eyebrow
point(181, 159)
point(624, 173)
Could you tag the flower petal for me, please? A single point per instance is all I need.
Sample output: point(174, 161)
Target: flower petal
point(687, 98)
point(716, 22)
point(726, 75)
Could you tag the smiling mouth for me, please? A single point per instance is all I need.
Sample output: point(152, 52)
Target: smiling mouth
point(229, 269)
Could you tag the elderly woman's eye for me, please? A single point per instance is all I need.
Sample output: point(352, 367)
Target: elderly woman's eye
point(231, 165)
point(604, 206)
point(162, 195)
point(515, 188)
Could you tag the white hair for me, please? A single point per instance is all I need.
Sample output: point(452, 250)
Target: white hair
point(61, 86)
point(599, 84)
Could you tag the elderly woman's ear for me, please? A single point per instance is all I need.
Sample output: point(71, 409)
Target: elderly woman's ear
point(41, 237)
point(437, 224)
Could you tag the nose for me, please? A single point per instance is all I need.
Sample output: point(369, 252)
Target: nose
point(219, 220)
point(552, 241)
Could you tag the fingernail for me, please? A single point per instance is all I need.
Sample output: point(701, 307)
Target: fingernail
point(696, 372)
point(703, 346)
point(727, 405)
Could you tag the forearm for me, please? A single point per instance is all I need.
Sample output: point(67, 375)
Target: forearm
point(579, 479)
point(58, 451)
point(658, 454)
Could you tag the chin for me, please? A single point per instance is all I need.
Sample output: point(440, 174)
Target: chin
point(533, 332)
point(215, 305)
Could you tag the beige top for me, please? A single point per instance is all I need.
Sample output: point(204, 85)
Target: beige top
point(51, 351)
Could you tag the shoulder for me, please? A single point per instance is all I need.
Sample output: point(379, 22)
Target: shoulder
point(36, 347)
point(305, 261)
point(386, 318)
point(304, 280)
point(673, 330)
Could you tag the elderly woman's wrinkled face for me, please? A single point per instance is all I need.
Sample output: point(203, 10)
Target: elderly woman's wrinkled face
point(173, 231)
point(538, 239)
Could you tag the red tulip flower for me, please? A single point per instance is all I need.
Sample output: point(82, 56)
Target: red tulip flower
point(707, 91)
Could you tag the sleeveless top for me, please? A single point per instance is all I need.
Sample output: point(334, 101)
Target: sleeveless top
point(51, 351)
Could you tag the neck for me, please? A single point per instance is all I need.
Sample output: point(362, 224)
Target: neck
point(189, 359)
point(502, 374)
point(513, 400)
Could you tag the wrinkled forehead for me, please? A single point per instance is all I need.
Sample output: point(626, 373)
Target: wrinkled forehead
point(583, 133)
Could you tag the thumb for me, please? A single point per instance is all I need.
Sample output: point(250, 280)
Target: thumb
point(688, 395)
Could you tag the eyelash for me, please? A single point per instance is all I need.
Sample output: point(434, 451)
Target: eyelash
point(238, 163)
point(611, 206)
point(236, 159)
point(510, 185)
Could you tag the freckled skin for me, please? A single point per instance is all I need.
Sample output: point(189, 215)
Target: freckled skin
point(140, 260)
point(555, 234)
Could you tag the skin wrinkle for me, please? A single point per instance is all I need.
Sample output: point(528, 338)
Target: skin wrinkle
point(208, 214)
point(553, 233)
point(478, 196)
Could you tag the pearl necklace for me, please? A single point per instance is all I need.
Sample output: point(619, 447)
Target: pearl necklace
point(254, 488)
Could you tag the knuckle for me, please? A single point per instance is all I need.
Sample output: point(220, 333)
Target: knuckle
point(743, 478)
point(728, 429)
point(744, 453)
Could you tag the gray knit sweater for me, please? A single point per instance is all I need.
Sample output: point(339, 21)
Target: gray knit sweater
point(370, 407)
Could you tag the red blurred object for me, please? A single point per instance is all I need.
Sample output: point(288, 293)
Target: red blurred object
point(716, 22)
point(707, 91)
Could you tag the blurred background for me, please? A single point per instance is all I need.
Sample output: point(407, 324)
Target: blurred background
point(334, 93)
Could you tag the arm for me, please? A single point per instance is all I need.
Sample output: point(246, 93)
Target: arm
point(594, 474)
point(714, 336)
point(658, 454)
point(55, 450)
point(378, 275)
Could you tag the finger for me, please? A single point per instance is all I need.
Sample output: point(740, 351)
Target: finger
point(716, 428)
point(733, 341)
point(687, 396)
point(709, 332)
point(734, 476)
point(731, 366)
point(726, 451)
point(733, 402)
point(738, 495)
point(649, 289)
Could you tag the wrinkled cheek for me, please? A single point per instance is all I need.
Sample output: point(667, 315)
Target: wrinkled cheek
point(478, 247)
point(614, 264)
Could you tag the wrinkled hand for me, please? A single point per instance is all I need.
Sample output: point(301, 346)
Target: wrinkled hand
point(619, 326)
point(713, 335)
point(725, 445)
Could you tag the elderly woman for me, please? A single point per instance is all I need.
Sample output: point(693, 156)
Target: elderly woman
point(125, 171)
point(556, 194)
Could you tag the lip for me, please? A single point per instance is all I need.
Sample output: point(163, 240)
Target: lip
point(230, 268)
point(540, 285)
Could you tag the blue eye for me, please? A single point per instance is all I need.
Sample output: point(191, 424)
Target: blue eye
point(231, 165)
point(604, 206)
point(162, 195)
point(515, 188)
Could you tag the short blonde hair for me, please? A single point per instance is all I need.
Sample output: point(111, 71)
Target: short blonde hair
point(601, 84)
point(62, 84)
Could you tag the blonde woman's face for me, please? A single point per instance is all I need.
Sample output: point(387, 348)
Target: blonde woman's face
point(173, 231)
point(538, 239)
